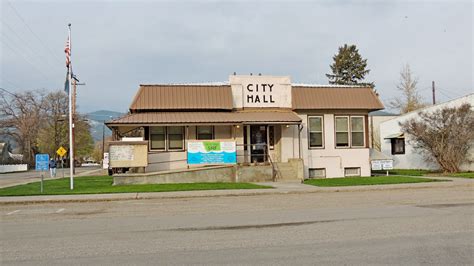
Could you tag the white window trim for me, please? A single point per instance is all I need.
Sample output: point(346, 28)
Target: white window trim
point(348, 132)
point(322, 133)
point(363, 131)
point(349, 121)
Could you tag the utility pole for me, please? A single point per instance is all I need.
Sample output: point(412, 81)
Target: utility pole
point(433, 90)
point(74, 96)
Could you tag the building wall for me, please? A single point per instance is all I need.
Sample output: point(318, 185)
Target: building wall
point(164, 161)
point(374, 128)
point(333, 159)
point(412, 159)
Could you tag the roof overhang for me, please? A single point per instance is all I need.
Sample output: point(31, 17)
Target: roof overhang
point(398, 135)
point(210, 118)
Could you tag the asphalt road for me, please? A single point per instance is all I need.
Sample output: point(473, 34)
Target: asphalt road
point(402, 227)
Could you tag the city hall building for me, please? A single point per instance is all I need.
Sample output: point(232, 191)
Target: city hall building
point(272, 121)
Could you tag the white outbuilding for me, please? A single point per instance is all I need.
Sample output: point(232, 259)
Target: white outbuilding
point(399, 147)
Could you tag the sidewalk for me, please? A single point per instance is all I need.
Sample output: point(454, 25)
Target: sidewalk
point(279, 188)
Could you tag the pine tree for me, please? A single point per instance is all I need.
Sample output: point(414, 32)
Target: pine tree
point(348, 68)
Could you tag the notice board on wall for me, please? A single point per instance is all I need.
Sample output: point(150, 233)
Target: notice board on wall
point(128, 154)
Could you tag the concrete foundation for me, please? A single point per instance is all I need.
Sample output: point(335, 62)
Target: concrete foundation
point(293, 170)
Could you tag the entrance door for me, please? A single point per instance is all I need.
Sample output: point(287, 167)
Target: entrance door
point(258, 141)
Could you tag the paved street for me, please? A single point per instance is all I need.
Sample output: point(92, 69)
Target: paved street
point(407, 226)
point(12, 179)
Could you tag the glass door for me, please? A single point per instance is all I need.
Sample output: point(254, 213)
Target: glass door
point(258, 143)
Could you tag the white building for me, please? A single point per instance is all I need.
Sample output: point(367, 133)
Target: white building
point(270, 119)
point(397, 145)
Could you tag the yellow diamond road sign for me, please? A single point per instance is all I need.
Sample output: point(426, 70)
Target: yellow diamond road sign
point(61, 151)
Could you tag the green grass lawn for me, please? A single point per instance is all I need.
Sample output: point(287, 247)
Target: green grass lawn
point(464, 174)
point(103, 184)
point(405, 172)
point(371, 180)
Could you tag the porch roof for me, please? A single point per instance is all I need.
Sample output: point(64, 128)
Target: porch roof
point(187, 118)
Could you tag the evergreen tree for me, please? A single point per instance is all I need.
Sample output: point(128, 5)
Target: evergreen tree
point(348, 68)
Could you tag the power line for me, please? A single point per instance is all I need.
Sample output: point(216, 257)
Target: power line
point(22, 41)
point(27, 60)
point(34, 34)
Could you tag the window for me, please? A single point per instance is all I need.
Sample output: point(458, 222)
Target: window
point(317, 172)
point(166, 138)
point(352, 171)
point(350, 131)
point(175, 138)
point(204, 132)
point(357, 131)
point(315, 131)
point(157, 138)
point(342, 131)
point(398, 146)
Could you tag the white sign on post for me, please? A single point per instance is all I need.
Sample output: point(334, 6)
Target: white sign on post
point(387, 164)
point(376, 165)
point(105, 162)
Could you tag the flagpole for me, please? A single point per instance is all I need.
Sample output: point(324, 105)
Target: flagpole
point(71, 125)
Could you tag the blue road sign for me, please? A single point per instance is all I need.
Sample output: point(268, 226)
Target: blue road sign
point(42, 162)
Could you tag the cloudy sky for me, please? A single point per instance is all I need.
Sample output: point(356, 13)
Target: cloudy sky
point(118, 45)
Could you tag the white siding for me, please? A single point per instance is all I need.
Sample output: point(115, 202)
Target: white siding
point(334, 160)
point(412, 159)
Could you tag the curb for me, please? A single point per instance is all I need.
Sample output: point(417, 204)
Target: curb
point(217, 193)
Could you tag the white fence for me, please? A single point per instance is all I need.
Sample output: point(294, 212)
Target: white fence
point(8, 168)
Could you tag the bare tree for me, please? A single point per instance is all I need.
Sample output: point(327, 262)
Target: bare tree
point(21, 117)
point(410, 99)
point(444, 136)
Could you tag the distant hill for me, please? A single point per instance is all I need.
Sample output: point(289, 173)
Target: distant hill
point(96, 120)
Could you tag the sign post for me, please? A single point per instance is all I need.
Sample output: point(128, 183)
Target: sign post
point(42, 164)
point(61, 152)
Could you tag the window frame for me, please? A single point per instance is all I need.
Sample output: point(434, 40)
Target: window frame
point(349, 121)
point(322, 132)
point(183, 133)
point(213, 134)
point(167, 139)
point(150, 140)
point(363, 131)
point(393, 144)
point(348, 132)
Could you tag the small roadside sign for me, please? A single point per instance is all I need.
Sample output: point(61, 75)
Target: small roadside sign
point(387, 165)
point(42, 162)
point(376, 165)
point(61, 151)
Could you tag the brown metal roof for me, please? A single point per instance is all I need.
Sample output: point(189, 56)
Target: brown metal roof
point(286, 117)
point(178, 97)
point(335, 98)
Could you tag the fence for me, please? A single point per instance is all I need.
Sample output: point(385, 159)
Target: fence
point(9, 168)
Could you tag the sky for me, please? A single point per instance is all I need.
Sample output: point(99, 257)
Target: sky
point(117, 45)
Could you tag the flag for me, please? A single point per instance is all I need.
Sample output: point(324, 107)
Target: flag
point(66, 84)
point(67, 50)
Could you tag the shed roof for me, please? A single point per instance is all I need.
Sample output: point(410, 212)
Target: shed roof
point(176, 97)
point(304, 97)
